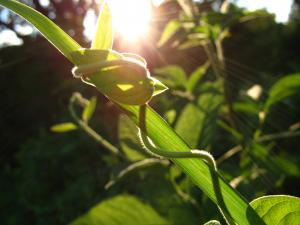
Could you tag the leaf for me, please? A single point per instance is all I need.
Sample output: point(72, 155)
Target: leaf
point(285, 87)
point(197, 122)
point(63, 127)
point(246, 107)
point(89, 109)
point(171, 28)
point(54, 34)
point(196, 76)
point(104, 35)
point(129, 140)
point(173, 76)
point(278, 209)
point(121, 210)
point(159, 87)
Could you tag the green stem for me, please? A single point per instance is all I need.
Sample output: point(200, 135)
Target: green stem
point(84, 126)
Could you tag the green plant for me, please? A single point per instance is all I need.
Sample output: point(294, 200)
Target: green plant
point(201, 173)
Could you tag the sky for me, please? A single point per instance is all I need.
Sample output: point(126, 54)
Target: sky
point(280, 8)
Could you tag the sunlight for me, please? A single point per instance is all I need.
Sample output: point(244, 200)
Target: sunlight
point(131, 18)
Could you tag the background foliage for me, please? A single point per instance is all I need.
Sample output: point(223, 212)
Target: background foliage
point(49, 178)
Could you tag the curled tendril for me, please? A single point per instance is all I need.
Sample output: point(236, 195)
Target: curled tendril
point(86, 70)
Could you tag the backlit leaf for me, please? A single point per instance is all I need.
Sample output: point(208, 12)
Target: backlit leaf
point(63, 127)
point(278, 209)
point(121, 210)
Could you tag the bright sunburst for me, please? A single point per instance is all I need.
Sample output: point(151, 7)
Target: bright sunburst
point(131, 18)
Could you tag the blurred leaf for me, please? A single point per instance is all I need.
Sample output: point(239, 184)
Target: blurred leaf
point(121, 210)
point(285, 87)
point(89, 109)
point(171, 28)
point(173, 76)
point(246, 107)
point(278, 209)
point(237, 135)
point(212, 222)
point(104, 35)
point(129, 140)
point(287, 165)
point(197, 122)
point(196, 76)
point(64, 127)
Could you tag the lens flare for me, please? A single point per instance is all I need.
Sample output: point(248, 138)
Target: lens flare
point(131, 18)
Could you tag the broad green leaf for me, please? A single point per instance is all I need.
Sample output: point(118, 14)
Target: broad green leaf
point(285, 87)
point(104, 35)
point(63, 127)
point(196, 76)
point(171, 28)
point(197, 122)
point(129, 140)
point(55, 35)
point(278, 209)
point(173, 76)
point(89, 110)
point(121, 210)
point(212, 222)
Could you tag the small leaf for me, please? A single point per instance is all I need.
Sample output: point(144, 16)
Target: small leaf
point(196, 76)
point(63, 127)
point(285, 87)
point(171, 28)
point(104, 35)
point(173, 76)
point(122, 209)
point(159, 87)
point(89, 109)
point(278, 209)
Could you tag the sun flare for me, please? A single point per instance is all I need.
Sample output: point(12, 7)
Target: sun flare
point(131, 18)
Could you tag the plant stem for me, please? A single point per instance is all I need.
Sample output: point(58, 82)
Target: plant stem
point(84, 126)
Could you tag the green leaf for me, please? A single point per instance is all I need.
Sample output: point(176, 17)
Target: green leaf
point(89, 109)
point(63, 127)
point(196, 76)
point(104, 35)
point(173, 76)
point(278, 209)
point(171, 28)
point(237, 135)
point(285, 87)
point(159, 87)
point(55, 35)
point(197, 122)
point(121, 210)
point(129, 140)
